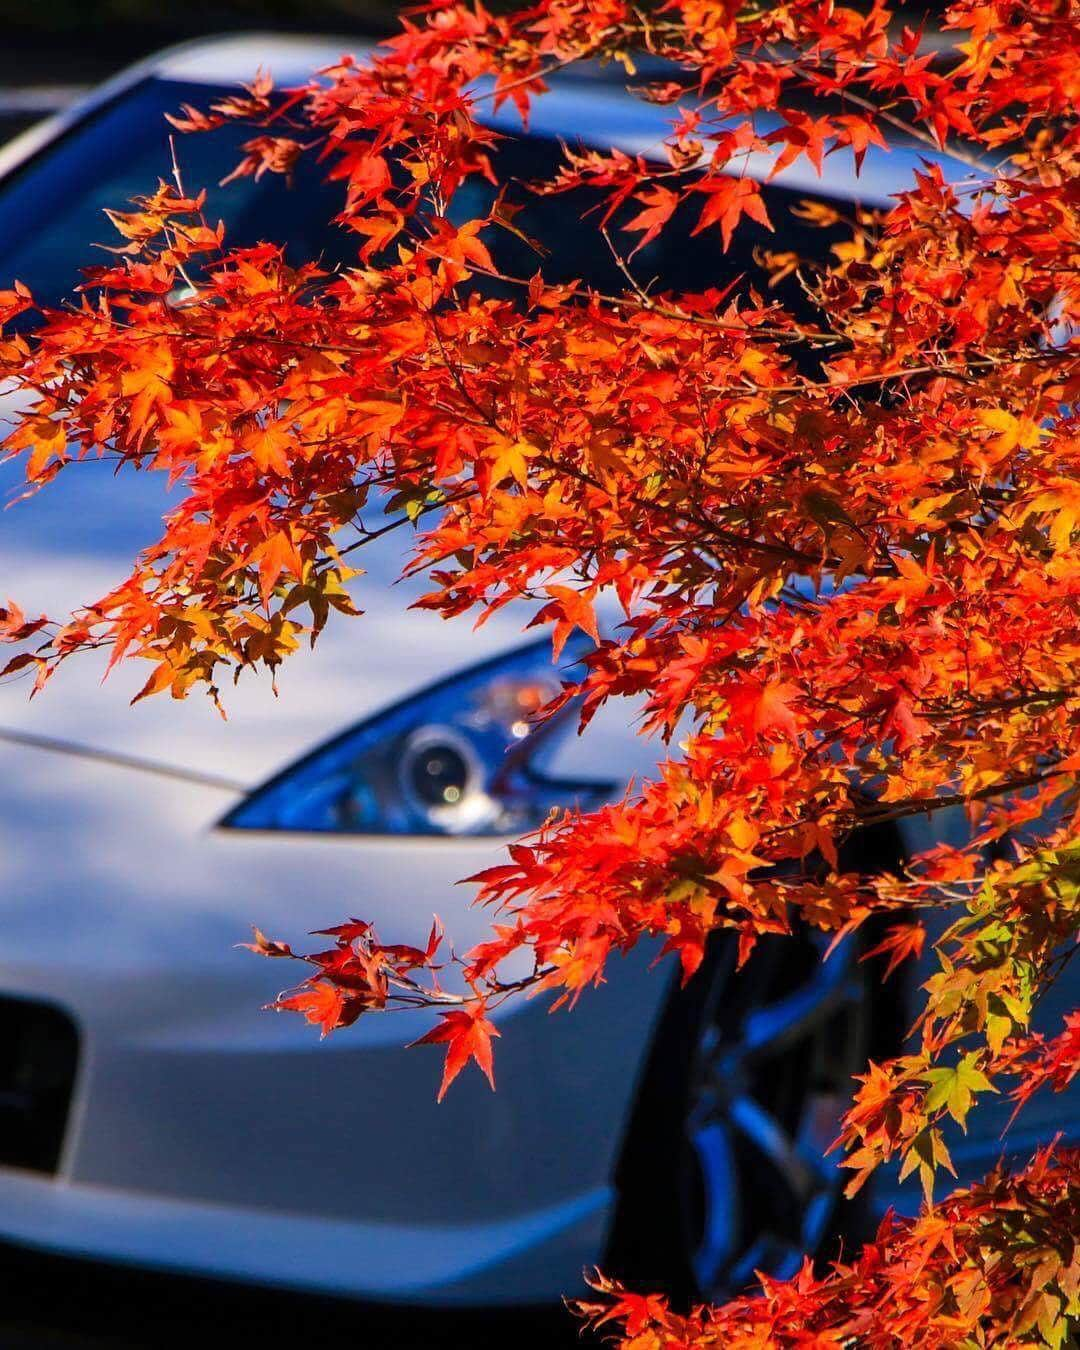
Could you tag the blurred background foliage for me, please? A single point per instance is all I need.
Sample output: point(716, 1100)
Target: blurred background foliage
point(85, 40)
point(64, 16)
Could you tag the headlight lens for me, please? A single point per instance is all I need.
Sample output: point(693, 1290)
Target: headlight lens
point(460, 758)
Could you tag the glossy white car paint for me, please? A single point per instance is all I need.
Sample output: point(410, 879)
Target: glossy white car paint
point(207, 1135)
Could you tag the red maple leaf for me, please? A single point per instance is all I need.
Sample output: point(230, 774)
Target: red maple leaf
point(467, 1034)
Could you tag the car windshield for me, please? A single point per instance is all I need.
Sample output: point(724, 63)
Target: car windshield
point(51, 210)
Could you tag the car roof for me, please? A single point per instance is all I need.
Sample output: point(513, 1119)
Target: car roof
point(583, 104)
point(235, 57)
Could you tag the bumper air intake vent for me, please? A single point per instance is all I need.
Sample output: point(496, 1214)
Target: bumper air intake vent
point(39, 1049)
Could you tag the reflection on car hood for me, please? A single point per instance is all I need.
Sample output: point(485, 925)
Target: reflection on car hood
point(70, 543)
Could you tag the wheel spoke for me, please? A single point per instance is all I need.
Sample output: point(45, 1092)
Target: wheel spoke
point(762, 1130)
point(779, 1025)
point(776, 1256)
point(720, 1228)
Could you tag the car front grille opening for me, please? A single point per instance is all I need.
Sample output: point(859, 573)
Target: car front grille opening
point(39, 1050)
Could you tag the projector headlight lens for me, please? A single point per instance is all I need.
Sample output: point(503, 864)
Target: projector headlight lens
point(461, 758)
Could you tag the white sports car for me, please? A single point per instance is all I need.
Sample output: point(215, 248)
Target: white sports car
point(150, 1113)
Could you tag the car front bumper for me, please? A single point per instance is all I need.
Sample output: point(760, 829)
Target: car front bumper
point(206, 1135)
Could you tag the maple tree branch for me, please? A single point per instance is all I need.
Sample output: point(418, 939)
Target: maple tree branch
point(400, 521)
point(879, 813)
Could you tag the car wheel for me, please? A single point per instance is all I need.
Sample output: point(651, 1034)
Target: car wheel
point(726, 1169)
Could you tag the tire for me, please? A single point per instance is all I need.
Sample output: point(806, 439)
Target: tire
point(725, 1168)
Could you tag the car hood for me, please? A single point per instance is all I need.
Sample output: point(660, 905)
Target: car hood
point(68, 544)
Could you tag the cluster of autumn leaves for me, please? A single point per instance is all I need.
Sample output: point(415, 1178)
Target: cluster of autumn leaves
point(844, 548)
point(986, 1266)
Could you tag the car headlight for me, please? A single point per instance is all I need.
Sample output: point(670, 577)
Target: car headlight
point(460, 758)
